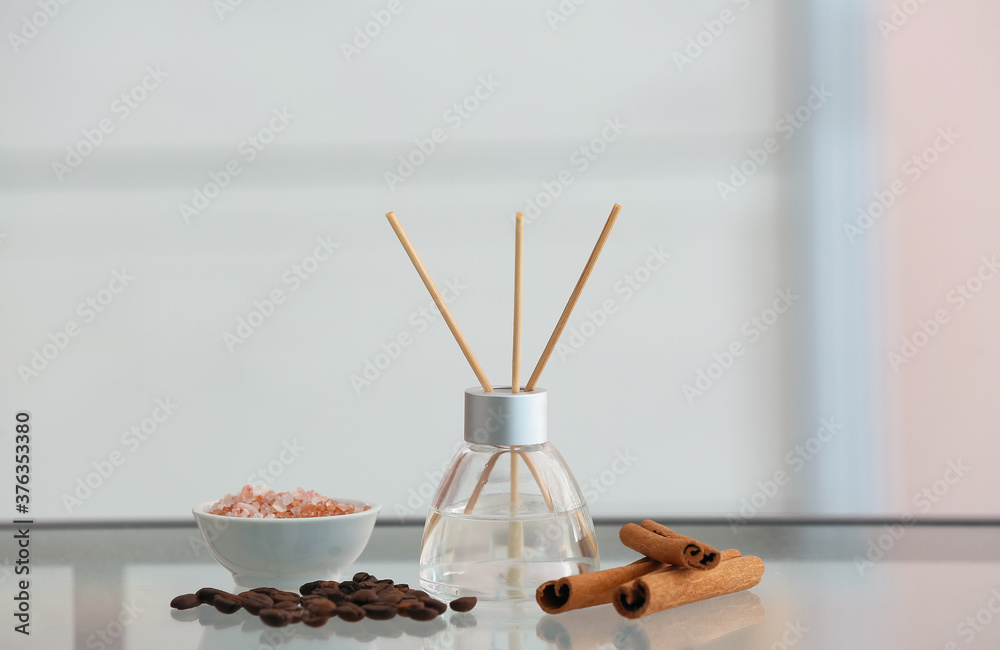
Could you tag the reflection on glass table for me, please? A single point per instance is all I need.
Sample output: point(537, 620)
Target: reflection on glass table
point(825, 586)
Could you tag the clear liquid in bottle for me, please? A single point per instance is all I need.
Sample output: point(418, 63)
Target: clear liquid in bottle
point(495, 556)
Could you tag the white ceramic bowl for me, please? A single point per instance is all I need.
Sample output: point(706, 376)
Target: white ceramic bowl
point(286, 553)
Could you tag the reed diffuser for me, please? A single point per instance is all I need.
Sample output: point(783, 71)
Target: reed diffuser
point(491, 531)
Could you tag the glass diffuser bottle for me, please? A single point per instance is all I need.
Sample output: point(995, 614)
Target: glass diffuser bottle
point(508, 514)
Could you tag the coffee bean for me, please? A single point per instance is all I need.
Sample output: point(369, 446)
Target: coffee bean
point(273, 617)
point(253, 606)
point(310, 587)
point(227, 605)
point(419, 593)
point(321, 606)
point(315, 620)
point(337, 597)
point(404, 607)
point(350, 612)
point(385, 581)
point(379, 612)
point(274, 591)
point(253, 601)
point(422, 613)
point(294, 615)
point(318, 606)
point(285, 605)
point(187, 601)
point(361, 576)
point(348, 587)
point(463, 604)
point(208, 594)
point(254, 595)
point(402, 586)
point(278, 594)
point(390, 598)
point(436, 605)
point(364, 596)
point(325, 585)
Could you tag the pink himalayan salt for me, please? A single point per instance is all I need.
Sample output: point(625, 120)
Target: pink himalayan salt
point(261, 502)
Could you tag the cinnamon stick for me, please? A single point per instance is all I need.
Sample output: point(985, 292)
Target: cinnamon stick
point(664, 545)
point(672, 588)
point(598, 587)
point(589, 589)
point(728, 554)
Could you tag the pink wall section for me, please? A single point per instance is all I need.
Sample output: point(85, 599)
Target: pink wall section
point(942, 71)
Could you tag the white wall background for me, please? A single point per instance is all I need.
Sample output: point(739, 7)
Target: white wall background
point(162, 337)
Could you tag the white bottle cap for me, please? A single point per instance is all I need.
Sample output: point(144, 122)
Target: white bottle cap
point(506, 419)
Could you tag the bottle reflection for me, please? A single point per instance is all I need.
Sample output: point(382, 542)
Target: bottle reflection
point(490, 625)
point(684, 627)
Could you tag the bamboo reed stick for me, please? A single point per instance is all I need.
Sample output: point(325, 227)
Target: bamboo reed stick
point(515, 383)
point(535, 474)
point(515, 533)
point(439, 301)
point(515, 530)
point(483, 479)
point(564, 318)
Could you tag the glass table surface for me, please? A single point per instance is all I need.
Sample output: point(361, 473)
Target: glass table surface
point(829, 585)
